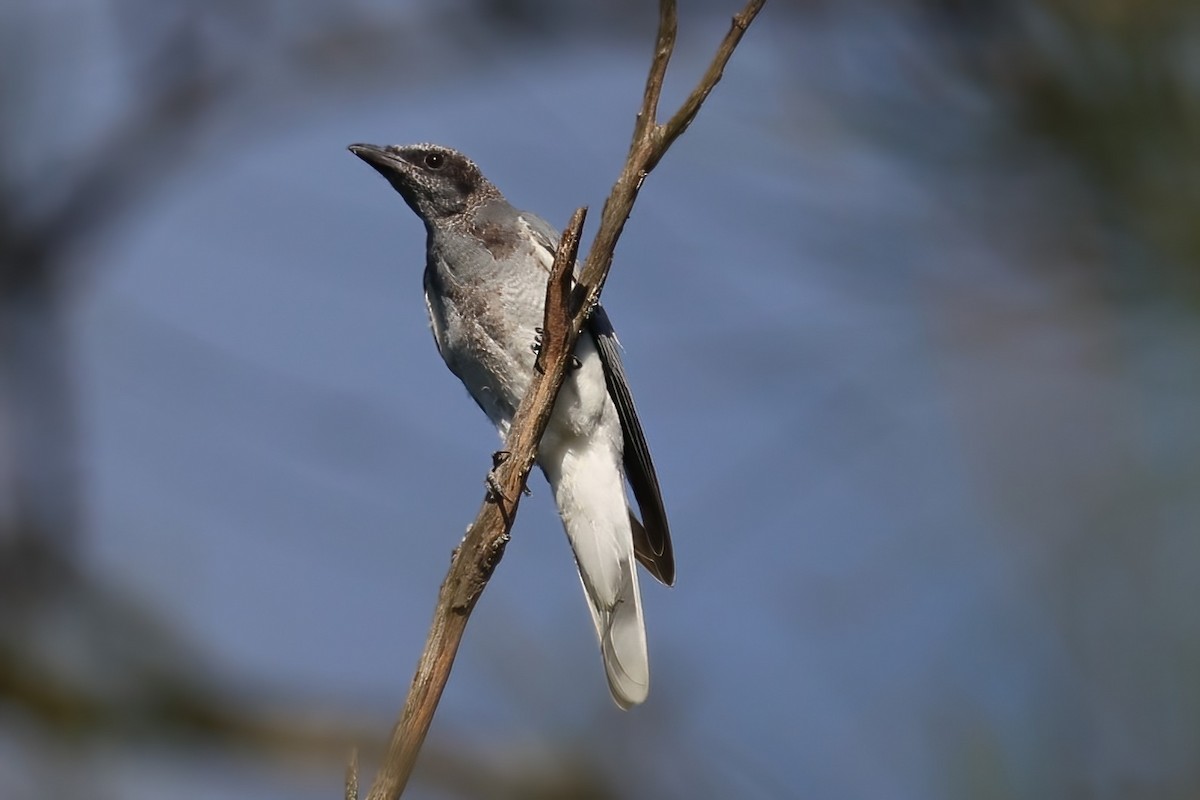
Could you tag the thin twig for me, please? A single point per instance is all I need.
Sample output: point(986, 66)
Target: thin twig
point(647, 151)
point(716, 70)
point(483, 546)
point(664, 46)
point(352, 776)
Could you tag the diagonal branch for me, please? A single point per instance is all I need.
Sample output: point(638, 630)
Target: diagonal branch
point(566, 312)
point(647, 150)
point(352, 776)
point(716, 70)
point(483, 546)
point(668, 24)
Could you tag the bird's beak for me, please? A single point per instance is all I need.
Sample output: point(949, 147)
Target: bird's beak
point(388, 165)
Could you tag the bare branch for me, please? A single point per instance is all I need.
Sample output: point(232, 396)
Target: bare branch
point(483, 546)
point(668, 24)
point(687, 112)
point(647, 150)
point(352, 776)
point(558, 296)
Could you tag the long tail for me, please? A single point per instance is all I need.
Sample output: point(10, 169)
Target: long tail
point(590, 492)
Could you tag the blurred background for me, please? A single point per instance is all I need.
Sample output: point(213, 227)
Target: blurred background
point(912, 314)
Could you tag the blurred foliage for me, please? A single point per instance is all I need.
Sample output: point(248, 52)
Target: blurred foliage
point(1115, 85)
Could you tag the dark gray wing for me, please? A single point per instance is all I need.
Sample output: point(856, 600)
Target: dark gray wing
point(651, 537)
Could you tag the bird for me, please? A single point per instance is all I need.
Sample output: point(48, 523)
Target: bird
point(486, 267)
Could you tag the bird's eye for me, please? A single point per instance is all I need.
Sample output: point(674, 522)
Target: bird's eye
point(435, 160)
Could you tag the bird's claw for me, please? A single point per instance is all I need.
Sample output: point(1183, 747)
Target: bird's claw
point(494, 494)
point(538, 333)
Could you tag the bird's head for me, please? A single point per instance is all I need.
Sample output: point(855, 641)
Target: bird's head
point(436, 182)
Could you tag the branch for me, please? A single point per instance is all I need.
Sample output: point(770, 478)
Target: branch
point(716, 70)
point(483, 546)
point(352, 776)
point(663, 47)
point(653, 141)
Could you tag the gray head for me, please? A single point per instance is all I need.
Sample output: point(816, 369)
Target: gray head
point(437, 183)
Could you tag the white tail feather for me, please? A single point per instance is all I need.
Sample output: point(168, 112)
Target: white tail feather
point(590, 493)
point(626, 662)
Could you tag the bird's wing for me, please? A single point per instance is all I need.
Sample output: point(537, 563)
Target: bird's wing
point(544, 235)
point(434, 314)
point(651, 536)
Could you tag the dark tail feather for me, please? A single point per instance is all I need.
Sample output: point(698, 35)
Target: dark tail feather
point(660, 565)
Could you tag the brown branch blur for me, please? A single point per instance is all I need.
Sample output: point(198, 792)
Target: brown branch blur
point(483, 546)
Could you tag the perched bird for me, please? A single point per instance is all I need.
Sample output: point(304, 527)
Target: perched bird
point(486, 265)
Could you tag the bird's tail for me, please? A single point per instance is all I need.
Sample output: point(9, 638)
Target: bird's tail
point(589, 490)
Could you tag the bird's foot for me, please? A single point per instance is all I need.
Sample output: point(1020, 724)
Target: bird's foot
point(538, 333)
point(494, 493)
